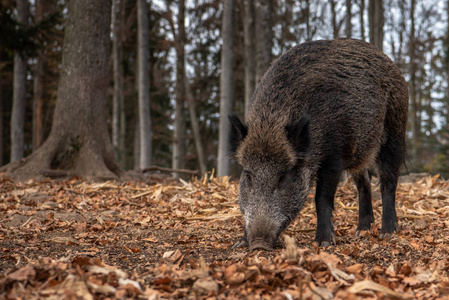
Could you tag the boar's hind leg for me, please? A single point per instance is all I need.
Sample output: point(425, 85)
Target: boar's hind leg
point(327, 181)
point(389, 161)
point(366, 217)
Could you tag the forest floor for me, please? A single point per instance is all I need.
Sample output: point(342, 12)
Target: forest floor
point(80, 240)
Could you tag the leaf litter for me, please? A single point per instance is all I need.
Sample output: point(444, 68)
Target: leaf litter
point(172, 240)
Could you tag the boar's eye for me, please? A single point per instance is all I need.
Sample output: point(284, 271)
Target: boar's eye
point(249, 177)
point(282, 180)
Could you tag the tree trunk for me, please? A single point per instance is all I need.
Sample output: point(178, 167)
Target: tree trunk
point(334, 19)
point(145, 132)
point(195, 127)
point(117, 70)
point(412, 82)
point(19, 91)
point(250, 47)
point(226, 86)
point(348, 29)
point(362, 19)
point(376, 23)
point(264, 37)
point(1, 116)
point(43, 9)
point(79, 140)
point(179, 133)
point(447, 70)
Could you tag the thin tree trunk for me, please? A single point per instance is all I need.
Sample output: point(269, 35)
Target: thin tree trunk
point(334, 19)
point(376, 23)
point(250, 47)
point(1, 116)
point(348, 29)
point(307, 20)
point(179, 134)
point(38, 101)
point(117, 98)
point(43, 8)
point(362, 19)
point(122, 137)
point(137, 144)
point(226, 86)
point(264, 37)
point(412, 81)
point(19, 92)
point(145, 131)
point(447, 70)
point(195, 127)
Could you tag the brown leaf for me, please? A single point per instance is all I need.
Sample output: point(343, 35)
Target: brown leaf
point(205, 286)
point(355, 268)
point(24, 273)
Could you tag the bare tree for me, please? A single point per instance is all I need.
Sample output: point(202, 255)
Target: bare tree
point(226, 86)
point(250, 47)
point(348, 28)
point(179, 134)
point(376, 23)
point(19, 91)
point(362, 19)
point(79, 140)
point(117, 70)
point(264, 37)
point(335, 28)
point(38, 99)
point(145, 131)
point(195, 127)
point(414, 105)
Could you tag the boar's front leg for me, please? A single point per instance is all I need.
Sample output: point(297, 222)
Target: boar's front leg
point(327, 181)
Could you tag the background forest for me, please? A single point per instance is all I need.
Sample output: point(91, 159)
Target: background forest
point(204, 57)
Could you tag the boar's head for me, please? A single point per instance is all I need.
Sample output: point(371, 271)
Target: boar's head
point(275, 181)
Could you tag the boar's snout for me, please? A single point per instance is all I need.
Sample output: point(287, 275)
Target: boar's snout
point(262, 233)
point(262, 244)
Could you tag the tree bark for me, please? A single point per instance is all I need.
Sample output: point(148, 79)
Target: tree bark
point(348, 28)
point(43, 9)
point(226, 86)
point(145, 131)
point(19, 91)
point(447, 69)
point(118, 76)
point(376, 23)
point(195, 127)
point(334, 19)
point(1, 115)
point(179, 133)
point(250, 47)
point(414, 106)
point(79, 139)
point(362, 19)
point(264, 37)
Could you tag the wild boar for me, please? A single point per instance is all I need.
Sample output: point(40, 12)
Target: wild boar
point(322, 108)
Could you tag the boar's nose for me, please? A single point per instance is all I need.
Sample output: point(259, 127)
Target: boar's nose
point(261, 244)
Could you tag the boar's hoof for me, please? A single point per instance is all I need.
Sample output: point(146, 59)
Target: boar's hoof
point(241, 243)
point(357, 233)
point(327, 243)
point(386, 235)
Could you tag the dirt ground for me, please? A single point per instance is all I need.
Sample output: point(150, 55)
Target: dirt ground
point(82, 240)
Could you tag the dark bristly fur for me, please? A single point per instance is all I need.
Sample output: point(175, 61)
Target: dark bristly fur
point(322, 108)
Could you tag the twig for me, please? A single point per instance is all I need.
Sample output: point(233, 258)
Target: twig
point(156, 168)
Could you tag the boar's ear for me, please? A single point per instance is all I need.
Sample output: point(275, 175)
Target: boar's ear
point(237, 134)
point(298, 135)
